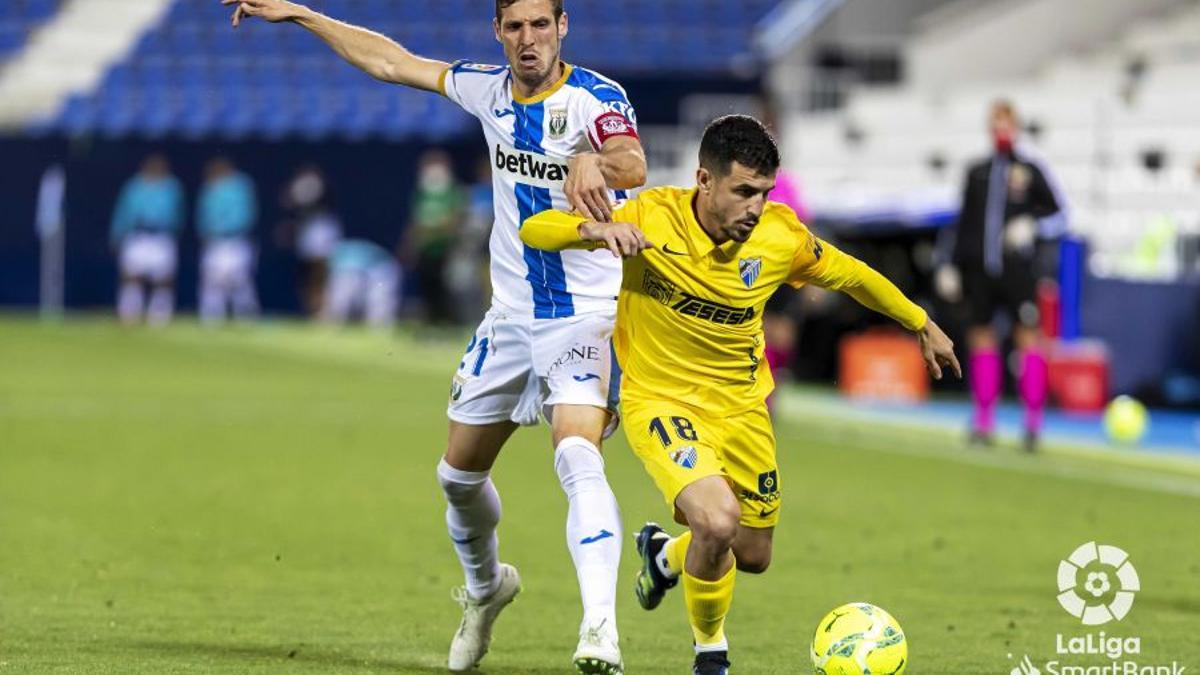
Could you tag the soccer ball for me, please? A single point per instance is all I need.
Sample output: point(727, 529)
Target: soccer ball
point(1125, 420)
point(859, 639)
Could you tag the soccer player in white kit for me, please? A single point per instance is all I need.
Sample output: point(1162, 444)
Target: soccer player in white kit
point(561, 137)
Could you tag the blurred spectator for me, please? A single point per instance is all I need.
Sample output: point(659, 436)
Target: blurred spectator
point(225, 216)
point(145, 230)
point(992, 256)
point(49, 224)
point(313, 231)
point(364, 281)
point(437, 211)
point(467, 278)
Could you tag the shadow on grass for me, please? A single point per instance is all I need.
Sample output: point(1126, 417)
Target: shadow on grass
point(308, 655)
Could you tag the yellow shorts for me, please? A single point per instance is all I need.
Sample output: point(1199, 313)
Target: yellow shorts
point(680, 444)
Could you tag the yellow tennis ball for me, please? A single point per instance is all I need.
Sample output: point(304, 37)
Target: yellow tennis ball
point(1125, 420)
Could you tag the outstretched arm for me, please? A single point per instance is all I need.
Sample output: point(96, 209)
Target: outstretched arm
point(821, 264)
point(379, 56)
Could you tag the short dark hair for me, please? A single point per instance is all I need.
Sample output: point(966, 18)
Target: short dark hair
point(502, 5)
point(741, 139)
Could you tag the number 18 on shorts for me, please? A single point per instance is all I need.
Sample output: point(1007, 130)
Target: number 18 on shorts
point(680, 444)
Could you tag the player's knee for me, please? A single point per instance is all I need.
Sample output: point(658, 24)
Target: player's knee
point(981, 338)
point(459, 486)
point(458, 493)
point(584, 421)
point(754, 561)
point(1025, 337)
point(578, 464)
point(716, 524)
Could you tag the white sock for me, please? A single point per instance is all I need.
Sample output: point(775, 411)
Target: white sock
point(593, 526)
point(129, 301)
point(661, 561)
point(472, 514)
point(722, 646)
point(162, 306)
point(212, 303)
point(245, 300)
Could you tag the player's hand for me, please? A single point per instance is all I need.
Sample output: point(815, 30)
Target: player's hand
point(586, 188)
point(624, 240)
point(938, 351)
point(269, 10)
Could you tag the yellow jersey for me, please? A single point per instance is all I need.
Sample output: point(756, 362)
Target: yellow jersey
point(689, 314)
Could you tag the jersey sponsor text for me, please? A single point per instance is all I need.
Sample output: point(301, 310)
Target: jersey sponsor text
point(532, 169)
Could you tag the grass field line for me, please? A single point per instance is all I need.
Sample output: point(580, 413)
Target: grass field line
point(864, 430)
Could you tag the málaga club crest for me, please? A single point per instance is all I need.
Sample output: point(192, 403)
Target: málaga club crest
point(749, 268)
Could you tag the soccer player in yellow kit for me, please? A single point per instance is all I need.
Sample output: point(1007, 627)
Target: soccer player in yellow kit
point(700, 265)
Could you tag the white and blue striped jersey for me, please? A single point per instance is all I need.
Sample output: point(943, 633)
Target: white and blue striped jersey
point(530, 142)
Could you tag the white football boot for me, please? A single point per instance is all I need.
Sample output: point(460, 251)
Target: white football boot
point(599, 652)
point(474, 634)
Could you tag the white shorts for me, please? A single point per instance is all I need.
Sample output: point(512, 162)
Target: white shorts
point(516, 367)
point(227, 262)
point(147, 255)
point(374, 293)
point(317, 238)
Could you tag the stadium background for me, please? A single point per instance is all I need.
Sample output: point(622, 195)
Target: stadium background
point(879, 107)
point(875, 123)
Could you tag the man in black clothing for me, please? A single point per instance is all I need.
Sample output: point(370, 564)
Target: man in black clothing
point(1009, 203)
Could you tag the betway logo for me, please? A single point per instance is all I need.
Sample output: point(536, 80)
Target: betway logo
point(530, 168)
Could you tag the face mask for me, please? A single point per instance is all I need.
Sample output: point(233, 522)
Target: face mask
point(1003, 142)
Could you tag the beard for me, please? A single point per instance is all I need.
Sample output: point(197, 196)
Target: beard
point(740, 230)
point(533, 79)
point(541, 75)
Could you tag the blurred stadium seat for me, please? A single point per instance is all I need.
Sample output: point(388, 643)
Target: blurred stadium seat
point(18, 18)
point(193, 76)
point(1097, 112)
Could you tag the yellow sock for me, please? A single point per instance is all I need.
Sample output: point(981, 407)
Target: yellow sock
point(707, 604)
point(676, 550)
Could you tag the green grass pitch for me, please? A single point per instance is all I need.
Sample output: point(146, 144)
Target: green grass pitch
point(263, 500)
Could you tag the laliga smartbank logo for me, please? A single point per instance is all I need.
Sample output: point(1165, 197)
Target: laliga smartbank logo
point(1096, 584)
